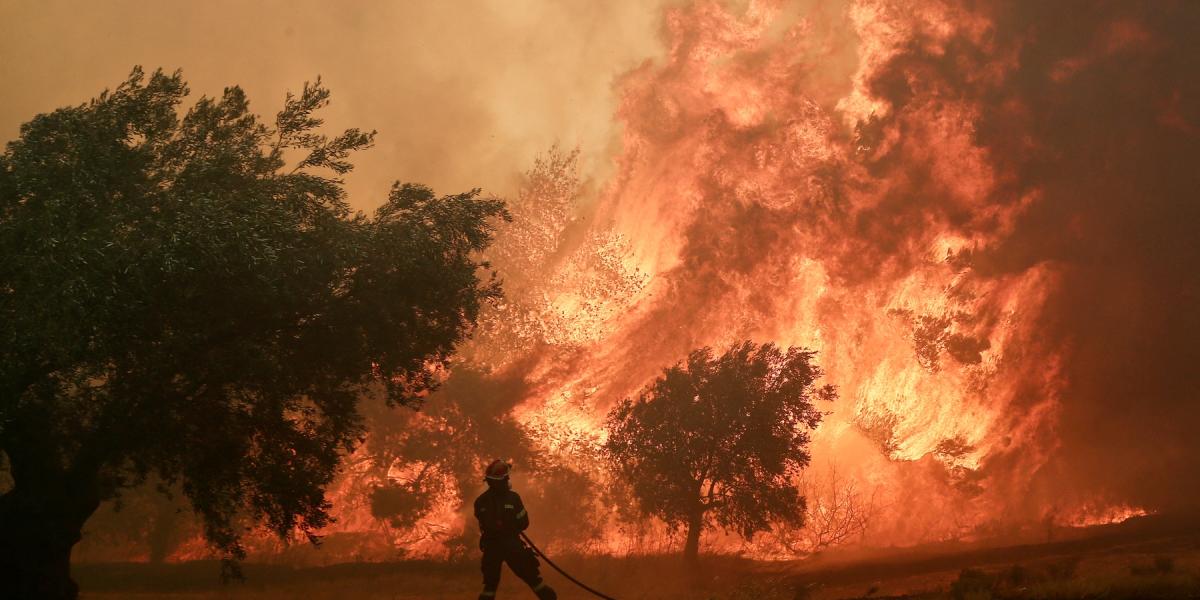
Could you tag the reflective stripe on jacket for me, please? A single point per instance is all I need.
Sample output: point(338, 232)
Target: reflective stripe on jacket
point(501, 514)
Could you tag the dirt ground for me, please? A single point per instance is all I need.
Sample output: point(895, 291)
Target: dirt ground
point(1155, 558)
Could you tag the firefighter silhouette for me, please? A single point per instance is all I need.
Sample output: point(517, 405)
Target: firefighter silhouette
point(502, 518)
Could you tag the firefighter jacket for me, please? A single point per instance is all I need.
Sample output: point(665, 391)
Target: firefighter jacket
point(501, 515)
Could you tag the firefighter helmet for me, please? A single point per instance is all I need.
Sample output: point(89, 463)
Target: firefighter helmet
point(497, 471)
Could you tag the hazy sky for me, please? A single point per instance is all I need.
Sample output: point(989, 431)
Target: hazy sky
point(463, 93)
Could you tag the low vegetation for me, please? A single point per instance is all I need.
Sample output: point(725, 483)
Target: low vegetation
point(1118, 573)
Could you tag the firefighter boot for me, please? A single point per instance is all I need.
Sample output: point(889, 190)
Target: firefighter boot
point(545, 592)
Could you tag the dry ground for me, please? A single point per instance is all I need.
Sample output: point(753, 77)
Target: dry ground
point(1152, 558)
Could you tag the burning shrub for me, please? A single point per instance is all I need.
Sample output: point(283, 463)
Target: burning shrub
point(836, 512)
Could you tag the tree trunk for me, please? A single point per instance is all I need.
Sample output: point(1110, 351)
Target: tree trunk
point(39, 524)
point(691, 550)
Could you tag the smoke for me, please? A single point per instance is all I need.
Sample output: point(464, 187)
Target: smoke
point(1008, 189)
point(1086, 118)
point(982, 215)
point(1099, 119)
point(463, 94)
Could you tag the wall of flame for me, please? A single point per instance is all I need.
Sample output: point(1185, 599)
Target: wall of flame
point(983, 216)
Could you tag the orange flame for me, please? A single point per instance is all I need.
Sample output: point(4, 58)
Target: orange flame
point(781, 180)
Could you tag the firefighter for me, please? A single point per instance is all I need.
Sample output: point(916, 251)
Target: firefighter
point(502, 518)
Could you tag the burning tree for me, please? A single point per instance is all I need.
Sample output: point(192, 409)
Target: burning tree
point(719, 440)
point(562, 281)
point(178, 301)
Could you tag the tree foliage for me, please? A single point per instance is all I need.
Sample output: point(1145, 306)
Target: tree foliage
point(441, 450)
point(191, 296)
point(719, 440)
point(549, 252)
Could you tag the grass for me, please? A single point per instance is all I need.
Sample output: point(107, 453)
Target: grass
point(1163, 568)
point(1143, 579)
point(627, 579)
point(665, 578)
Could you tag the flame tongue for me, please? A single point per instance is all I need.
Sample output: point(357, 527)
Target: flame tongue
point(866, 219)
point(868, 180)
point(760, 212)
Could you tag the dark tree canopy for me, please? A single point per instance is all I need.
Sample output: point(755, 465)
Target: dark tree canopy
point(446, 445)
point(718, 440)
point(190, 296)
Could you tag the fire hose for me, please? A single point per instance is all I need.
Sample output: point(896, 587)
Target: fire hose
point(577, 582)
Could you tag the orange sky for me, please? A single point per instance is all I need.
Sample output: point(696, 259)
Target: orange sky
point(462, 96)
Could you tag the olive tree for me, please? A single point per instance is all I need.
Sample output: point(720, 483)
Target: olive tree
point(187, 295)
point(719, 440)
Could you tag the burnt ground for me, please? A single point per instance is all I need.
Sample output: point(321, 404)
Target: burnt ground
point(1151, 557)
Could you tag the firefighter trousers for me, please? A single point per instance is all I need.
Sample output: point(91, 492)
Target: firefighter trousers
point(522, 562)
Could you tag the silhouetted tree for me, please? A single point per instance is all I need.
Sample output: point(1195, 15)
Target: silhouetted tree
point(718, 440)
point(445, 446)
point(192, 297)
